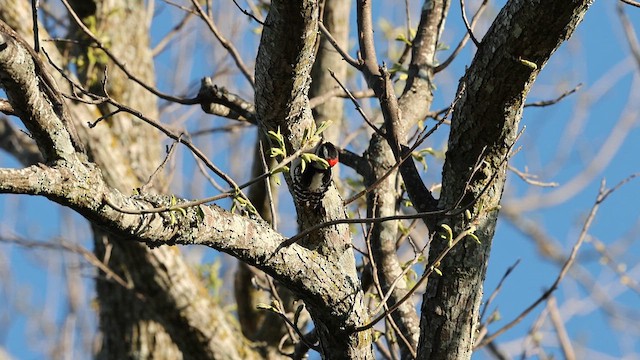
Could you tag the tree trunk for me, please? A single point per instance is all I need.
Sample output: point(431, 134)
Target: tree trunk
point(483, 130)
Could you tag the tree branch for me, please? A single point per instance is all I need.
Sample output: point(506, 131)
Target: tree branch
point(35, 97)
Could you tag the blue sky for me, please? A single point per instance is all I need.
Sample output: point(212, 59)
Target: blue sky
point(597, 56)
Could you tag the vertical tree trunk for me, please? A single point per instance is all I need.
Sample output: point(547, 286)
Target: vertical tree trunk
point(483, 130)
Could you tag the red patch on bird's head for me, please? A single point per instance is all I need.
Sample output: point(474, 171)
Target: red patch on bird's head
point(332, 162)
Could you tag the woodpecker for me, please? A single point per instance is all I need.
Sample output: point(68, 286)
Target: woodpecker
point(311, 184)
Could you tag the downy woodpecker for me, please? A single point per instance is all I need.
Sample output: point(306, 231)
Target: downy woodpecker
point(311, 184)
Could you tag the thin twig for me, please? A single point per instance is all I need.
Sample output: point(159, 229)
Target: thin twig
point(464, 39)
point(357, 105)
point(602, 195)
point(530, 178)
point(428, 271)
point(350, 60)
point(383, 303)
point(121, 65)
point(64, 245)
point(293, 326)
point(402, 159)
point(248, 13)
point(554, 101)
point(396, 281)
point(445, 212)
point(160, 167)
point(187, 204)
point(235, 55)
point(497, 289)
point(162, 44)
point(338, 92)
point(267, 185)
point(165, 130)
point(466, 24)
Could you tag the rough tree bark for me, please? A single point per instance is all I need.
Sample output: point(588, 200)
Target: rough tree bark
point(483, 129)
point(283, 69)
point(171, 316)
point(166, 312)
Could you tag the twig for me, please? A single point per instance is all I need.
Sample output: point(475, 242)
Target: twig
point(398, 163)
point(64, 245)
point(248, 13)
point(162, 44)
point(350, 60)
point(35, 4)
point(291, 328)
point(466, 24)
point(556, 100)
point(160, 167)
point(497, 289)
point(383, 303)
point(307, 231)
point(232, 128)
point(445, 212)
point(267, 185)
point(395, 282)
point(602, 195)
point(407, 15)
point(235, 55)
point(121, 65)
point(631, 2)
point(428, 271)
point(464, 39)
point(357, 105)
point(165, 130)
point(212, 181)
point(529, 178)
point(337, 91)
point(292, 325)
point(188, 204)
point(181, 139)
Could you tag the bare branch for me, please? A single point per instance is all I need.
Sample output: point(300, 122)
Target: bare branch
point(429, 269)
point(248, 13)
point(357, 105)
point(353, 62)
point(602, 196)
point(631, 2)
point(162, 44)
point(531, 178)
point(464, 40)
point(121, 65)
point(211, 94)
point(235, 55)
point(466, 24)
point(629, 32)
point(554, 101)
point(561, 331)
point(205, 225)
point(35, 97)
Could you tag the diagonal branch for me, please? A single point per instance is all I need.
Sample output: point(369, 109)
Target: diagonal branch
point(82, 188)
point(35, 97)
